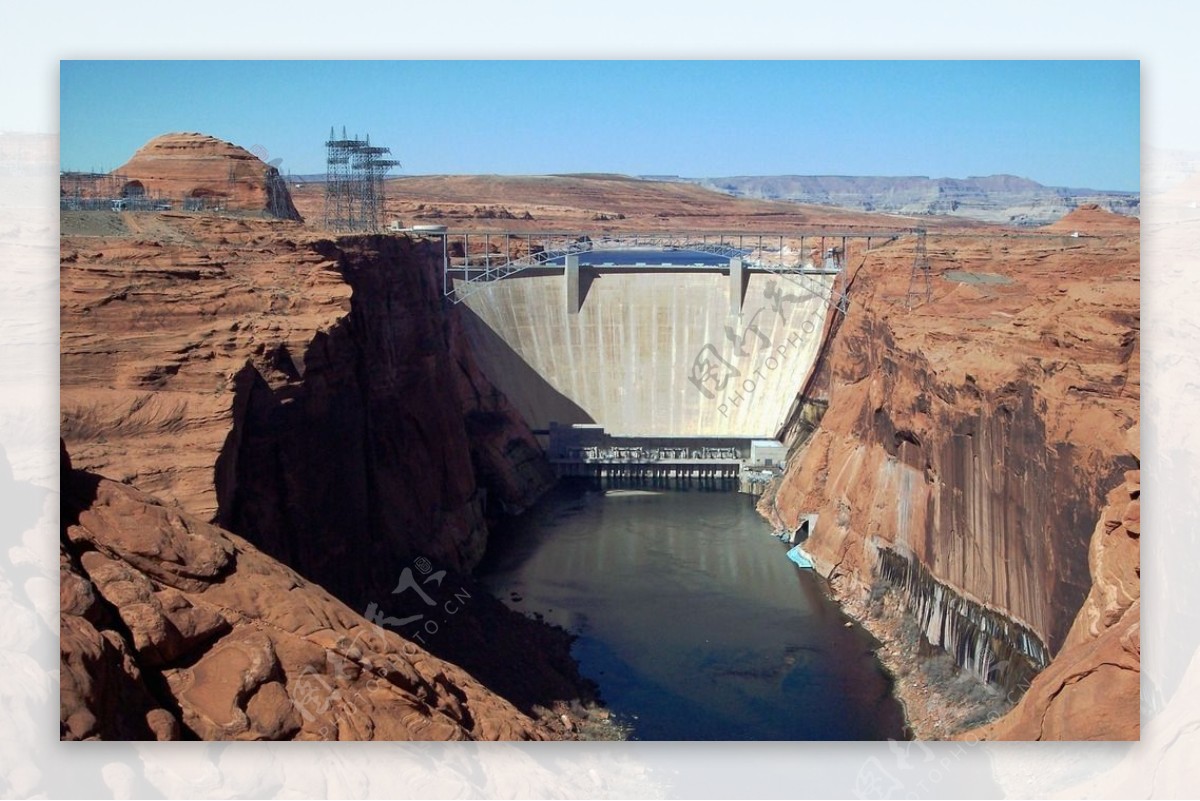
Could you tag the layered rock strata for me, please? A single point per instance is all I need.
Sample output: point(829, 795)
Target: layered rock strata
point(316, 398)
point(201, 168)
point(173, 628)
point(969, 443)
point(993, 198)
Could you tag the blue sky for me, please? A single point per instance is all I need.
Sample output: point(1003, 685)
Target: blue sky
point(1063, 123)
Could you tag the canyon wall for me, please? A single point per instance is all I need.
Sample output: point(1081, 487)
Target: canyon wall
point(650, 353)
point(317, 399)
point(175, 629)
point(380, 441)
point(1092, 690)
point(313, 397)
point(969, 443)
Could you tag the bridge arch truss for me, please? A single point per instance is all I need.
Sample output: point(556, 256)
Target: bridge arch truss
point(473, 261)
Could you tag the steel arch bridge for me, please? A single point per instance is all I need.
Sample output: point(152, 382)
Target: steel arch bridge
point(473, 261)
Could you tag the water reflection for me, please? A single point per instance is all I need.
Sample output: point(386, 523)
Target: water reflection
point(691, 618)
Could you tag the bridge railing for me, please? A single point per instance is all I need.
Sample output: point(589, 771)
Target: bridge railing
point(812, 284)
point(498, 255)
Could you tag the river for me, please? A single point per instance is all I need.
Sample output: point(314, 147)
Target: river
point(691, 619)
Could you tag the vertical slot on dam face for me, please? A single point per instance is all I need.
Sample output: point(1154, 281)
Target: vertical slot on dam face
point(649, 353)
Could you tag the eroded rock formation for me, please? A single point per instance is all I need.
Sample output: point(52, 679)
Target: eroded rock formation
point(379, 441)
point(316, 398)
point(173, 628)
point(1092, 690)
point(313, 397)
point(977, 436)
point(199, 167)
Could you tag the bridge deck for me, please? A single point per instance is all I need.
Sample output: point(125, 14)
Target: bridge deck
point(472, 260)
point(463, 271)
point(652, 462)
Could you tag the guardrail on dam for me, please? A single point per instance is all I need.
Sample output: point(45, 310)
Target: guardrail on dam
point(672, 344)
point(469, 267)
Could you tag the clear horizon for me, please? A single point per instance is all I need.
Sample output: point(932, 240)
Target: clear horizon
point(1060, 123)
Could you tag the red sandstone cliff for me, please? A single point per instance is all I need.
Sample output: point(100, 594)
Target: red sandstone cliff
point(173, 628)
point(312, 396)
point(378, 440)
point(193, 165)
point(315, 398)
point(155, 325)
point(976, 437)
point(1092, 689)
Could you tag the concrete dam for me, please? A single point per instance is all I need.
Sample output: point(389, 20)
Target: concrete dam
point(651, 352)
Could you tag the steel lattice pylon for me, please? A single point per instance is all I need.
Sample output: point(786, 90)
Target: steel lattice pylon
point(354, 189)
point(918, 282)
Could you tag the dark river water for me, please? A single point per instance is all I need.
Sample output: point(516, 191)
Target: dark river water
point(692, 619)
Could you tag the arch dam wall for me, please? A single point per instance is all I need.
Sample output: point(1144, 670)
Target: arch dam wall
point(650, 353)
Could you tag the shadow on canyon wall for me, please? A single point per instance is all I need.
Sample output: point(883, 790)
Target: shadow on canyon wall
point(383, 448)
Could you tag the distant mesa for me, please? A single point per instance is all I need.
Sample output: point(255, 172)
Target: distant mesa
point(199, 167)
point(1004, 199)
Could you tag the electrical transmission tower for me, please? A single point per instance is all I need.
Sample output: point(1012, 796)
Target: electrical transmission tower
point(354, 190)
point(918, 282)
